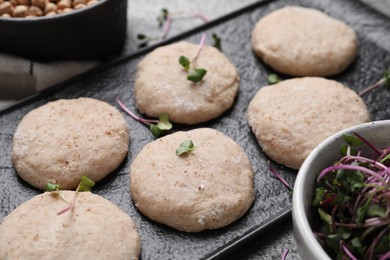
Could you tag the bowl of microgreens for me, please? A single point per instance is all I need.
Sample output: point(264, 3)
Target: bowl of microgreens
point(341, 199)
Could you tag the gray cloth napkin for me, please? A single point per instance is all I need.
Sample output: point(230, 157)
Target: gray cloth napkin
point(21, 77)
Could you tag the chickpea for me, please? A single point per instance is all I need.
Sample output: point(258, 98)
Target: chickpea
point(5, 8)
point(50, 13)
point(79, 6)
point(36, 8)
point(24, 2)
point(35, 11)
point(20, 11)
point(40, 3)
point(50, 7)
point(62, 4)
point(77, 2)
point(67, 10)
point(91, 2)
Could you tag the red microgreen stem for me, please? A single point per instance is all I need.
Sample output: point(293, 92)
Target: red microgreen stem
point(70, 205)
point(371, 87)
point(376, 150)
point(134, 116)
point(375, 242)
point(168, 22)
point(285, 253)
point(346, 251)
point(167, 27)
point(200, 47)
point(349, 158)
point(188, 14)
point(278, 176)
point(385, 256)
point(350, 167)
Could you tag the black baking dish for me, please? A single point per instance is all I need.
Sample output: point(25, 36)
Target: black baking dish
point(272, 198)
point(93, 32)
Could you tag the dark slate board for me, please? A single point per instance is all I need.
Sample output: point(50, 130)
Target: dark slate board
point(117, 78)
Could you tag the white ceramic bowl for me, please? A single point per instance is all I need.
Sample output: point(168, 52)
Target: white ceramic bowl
point(324, 155)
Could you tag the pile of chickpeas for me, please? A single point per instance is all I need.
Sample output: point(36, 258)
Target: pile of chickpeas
point(36, 8)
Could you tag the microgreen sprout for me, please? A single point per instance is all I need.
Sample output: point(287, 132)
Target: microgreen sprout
point(278, 176)
point(50, 187)
point(162, 17)
point(185, 147)
point(352, 202)
point(85, 185)
point(194, 74)
point(273, 79)
point(144, 40)
point(158, 127)
point(217, 41)
point(165, 18)
point(384, 81)
point(285, 253)
point(55, 189)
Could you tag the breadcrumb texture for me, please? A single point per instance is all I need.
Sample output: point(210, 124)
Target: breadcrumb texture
point(161, 84)
point(304, 42)
point(206, 189)
point(63, 140)
point(291, 118)
point(94, 229)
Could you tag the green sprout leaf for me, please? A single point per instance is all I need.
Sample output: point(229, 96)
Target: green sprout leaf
point(164, 123)
point(386, 76)
point(361, 214)
point(162, 127)
point(156, 131)
point(344, 150)
point(185, 147)
point(51, 187)
point(196, 75)
point(162, 17)
point(353, 140)
point(355, 180)
point(344, 233)
point(319, 196)
point(383, 245)
point(273, 79)
point(326, 218)
point(141, 36)
point(356, 244)
point(217, 41)
point(385, 158)
point(376, 211)
point(185, 62)
point(85, 184)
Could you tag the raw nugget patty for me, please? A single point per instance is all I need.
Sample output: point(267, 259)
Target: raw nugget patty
point(209, 188)
point(94, 229)
point(304, 42)
point(161, 84)
point(68, 138)
point(291, 118)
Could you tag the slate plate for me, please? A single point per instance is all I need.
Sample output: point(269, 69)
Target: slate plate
point(116, 79)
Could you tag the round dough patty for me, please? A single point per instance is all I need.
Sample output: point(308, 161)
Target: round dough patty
point(206, 189)
point(68, 138)
point(94, 229)
point(304, 42)
point(161, 84)
point(291, 118)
